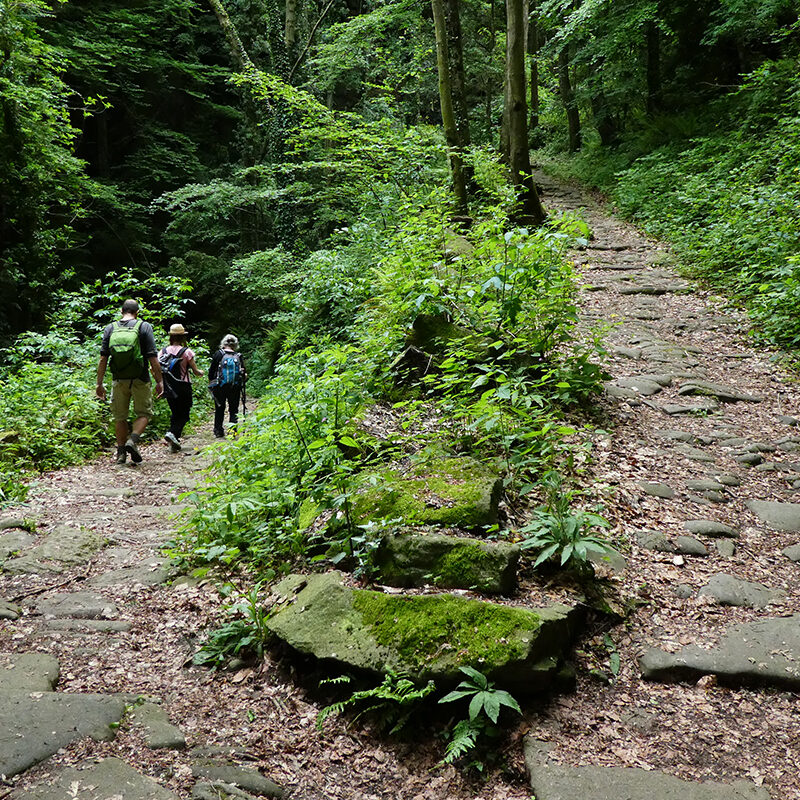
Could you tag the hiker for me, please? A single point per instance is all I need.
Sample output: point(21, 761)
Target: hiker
point(176, 359)
point(128, 347)
point(226, 380)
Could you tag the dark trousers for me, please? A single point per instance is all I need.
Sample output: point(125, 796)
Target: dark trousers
point(180, 404)
point(230, 396)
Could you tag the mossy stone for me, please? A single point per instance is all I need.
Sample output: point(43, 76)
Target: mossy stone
point(449, 562)
point(424, 636)
point(447, 491)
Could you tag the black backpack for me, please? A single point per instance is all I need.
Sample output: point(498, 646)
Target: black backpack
point(172, 370)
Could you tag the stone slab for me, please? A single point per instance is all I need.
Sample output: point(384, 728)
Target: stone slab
point(448, 562)
point(710, 527)
point(558, 782)
point(765, 652)
point(35, 725)
point(64, 547)
point(778, 516)
point(9, 610)
point(792, 552)
point(690, 546)
point(77, 605)
point(86, 625)
point(159, 732)
point(425, 636)
point(727, 394)
point(14, 540)
point(109, 779)
point(149, 573)
point(641, 386)
point(28, 672)
point(657, 490)
point(674, 409)
point(245, 778)
point(728, 590)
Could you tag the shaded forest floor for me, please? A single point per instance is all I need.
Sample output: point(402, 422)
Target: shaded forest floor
point(265, 716)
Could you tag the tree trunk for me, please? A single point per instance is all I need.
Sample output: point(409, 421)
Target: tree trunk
point(446, 103)
point(516, 92)
point(238, 52)
point(533, 49)
point(290, 29)
point(568, 99)
point(455, 53)
point(653, 68)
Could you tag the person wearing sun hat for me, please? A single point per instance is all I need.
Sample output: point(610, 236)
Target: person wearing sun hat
point(177, 382)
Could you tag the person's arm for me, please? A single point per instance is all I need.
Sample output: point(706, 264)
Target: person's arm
point(193, 366)
point(155, 368)
point(100, 391)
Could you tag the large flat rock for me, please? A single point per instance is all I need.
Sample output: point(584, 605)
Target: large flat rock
point(27, 672)
point(34, 725)
point(765, 652)
point(64, 547)
point(558, 782)
point(109, 779)
point(425, 636)
point(78, 605)
point(778, 516)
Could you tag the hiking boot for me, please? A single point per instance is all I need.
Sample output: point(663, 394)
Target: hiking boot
point(172, 439)
point(131, 447)
point(122, 455)
point(219, 434)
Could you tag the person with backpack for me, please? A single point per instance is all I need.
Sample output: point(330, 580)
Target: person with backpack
point(176, 359)
point(128, 347)
point(226, 380)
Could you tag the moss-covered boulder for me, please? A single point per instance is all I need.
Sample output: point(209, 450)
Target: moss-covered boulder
point(448, 491)
point(449, 562)
point(424, 636)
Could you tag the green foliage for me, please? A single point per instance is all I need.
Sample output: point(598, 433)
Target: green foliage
point(244, 636)
point(390, 704)
point(559, 532)
point(42, 183)
point(486, 703)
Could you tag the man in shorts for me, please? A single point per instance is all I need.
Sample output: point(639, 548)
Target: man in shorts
point(130, 346)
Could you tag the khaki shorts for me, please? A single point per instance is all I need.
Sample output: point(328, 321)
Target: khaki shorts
point(121, 393)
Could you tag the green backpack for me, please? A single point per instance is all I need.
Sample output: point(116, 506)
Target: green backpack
point(125, 350)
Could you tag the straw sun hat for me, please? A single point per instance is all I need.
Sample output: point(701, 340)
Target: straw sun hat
point(177, 330)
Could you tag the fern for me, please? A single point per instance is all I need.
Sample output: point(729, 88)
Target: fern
point(392, 702)
point(463, 740)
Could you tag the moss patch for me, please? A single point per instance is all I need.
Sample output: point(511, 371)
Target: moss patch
point(455, 492)
point(424, 629)
point(414, 559)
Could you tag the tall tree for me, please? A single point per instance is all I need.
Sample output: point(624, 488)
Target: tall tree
point(568, 99)
point(446, 103)
point(531, 211)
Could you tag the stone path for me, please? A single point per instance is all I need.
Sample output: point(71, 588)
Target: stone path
point(701, 477)
point(81, 570)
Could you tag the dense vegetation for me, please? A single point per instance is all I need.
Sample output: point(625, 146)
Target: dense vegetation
point(317, 177)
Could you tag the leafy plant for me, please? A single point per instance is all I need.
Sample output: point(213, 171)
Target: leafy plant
point(245, 636)
point(485, 705)
point(559, 532)
point(391, 703)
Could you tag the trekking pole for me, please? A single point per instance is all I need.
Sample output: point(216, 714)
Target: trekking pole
point(244, 397)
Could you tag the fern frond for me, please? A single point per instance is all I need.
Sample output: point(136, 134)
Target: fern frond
point(464, 738)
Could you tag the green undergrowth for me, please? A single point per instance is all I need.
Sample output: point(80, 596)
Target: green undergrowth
point(499, 391)
point(724, 188)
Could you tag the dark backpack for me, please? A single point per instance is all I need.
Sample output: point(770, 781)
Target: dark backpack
point(230, 370)
point(172, 363)
point(125, 351)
